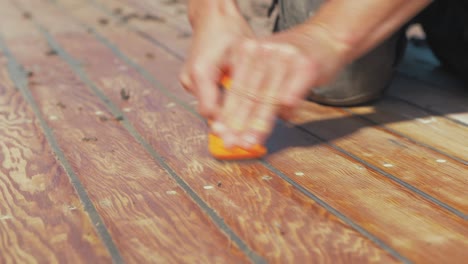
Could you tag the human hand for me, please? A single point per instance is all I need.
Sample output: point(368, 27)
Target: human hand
point(270, 76)
point(214, 35)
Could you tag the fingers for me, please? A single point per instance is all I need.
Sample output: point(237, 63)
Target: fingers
point(208, 93)
point(301, 76)
point(241, 98)
point(202, 82)
point(269, 80)
point(251, 105)
point(261, 120)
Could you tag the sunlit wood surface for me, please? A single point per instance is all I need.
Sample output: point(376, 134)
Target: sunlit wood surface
point(103, 156)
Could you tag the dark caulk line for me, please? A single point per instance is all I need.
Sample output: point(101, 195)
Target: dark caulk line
point(181, 57)
point(168, 93)
point(430, 111)
point(20, 79)
point(160, 87)
point(165, 91)
point(389, 176)
point(337, 213)
point(219, 222)
point(414, 141)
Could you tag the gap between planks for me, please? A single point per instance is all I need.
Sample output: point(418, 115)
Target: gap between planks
point(76, 67)
point(148, 75)
point(19, 78)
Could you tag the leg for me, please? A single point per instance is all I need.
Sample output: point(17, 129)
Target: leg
point(363, 80)
point(446, 26)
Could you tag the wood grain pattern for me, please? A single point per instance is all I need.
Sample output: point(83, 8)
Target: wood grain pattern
point(424, 221)
point(412, 235)
point(428, 83)
point(243, 193)
point(149, 216)
point(423, 95)
point(270, 215)
point(417, 63)
point(383, 144)
point(386, 144)
point(173, 30)
point(41, 217)
point(400, 157)
point(417, 124)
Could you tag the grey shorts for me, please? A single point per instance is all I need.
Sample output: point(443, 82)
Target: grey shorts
point(366, 78)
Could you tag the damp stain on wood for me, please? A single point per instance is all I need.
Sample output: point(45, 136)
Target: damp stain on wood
point(103, 118)
point(61, 105)
point(151, 17)
point(117, 11)
point(124, 94)
point(51, 52)
point(145, 17)
point(103, 21)
point(184, 34)
point(27, 15)
point(149, 55)
point(89, 139)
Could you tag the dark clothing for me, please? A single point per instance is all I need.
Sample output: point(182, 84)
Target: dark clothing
point(445, 23)
point(446, 26)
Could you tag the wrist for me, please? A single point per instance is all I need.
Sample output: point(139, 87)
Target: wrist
point(328, 50)
point(199, 10)
point(339, 48)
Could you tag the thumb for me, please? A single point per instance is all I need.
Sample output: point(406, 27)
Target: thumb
point(207, 92)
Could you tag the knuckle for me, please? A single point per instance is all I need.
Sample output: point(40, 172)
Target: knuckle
point(261, 126)
point(248, 46)
point(289, 102)
point(205, 110)
point(184, 76)
point(185, 81)
point(301, 61)
point(305, 67)
point(197, 70)
point(290, 50)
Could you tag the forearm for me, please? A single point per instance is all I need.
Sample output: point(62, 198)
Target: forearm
point(357, 26)
point(201, 9)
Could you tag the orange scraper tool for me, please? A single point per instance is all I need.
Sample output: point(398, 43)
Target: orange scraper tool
point(216, 144)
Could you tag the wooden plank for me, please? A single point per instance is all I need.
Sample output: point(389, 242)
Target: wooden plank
point(171, 13)
point(420, 65)
point(392, 154)
point(450, 179)
point(41, 217)
point(417, 64)
point(424, 96)
point(327, 174)
point(150, 217)
point(241, 193)
point(167, 27)
point(418, 155)
point(431, 130)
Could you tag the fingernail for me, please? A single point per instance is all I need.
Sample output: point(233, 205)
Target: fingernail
point(228, 141)
point(218, 128)
point(249, 140)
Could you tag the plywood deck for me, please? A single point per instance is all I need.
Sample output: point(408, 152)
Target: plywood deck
point(90, 176)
